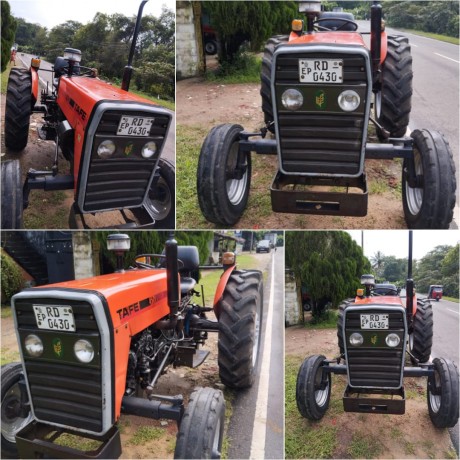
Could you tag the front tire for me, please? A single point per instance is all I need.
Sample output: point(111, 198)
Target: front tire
point(222, 186)
point(430, 203)
point(393, 103)
point(421, 339)
point(312, 391)
point(161, 200)
point(240, 321)
point(201, 430)
point(442, 394)
point(12, 421)
point(18, 109)
point(12, 204)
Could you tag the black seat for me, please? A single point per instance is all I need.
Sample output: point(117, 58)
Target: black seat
point(334, 22)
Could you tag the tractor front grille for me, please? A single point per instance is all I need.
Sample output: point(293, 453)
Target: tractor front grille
point(123, 180)
point(374, 364)
point(64, 391)
point(321, 139)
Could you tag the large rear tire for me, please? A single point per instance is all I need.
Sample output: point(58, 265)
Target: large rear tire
point(312, 391)
point(161, 200)
point(430, 204)
point(222, 187)
point(11, 417)
point(12, 204)
point(442, 394)
point(393, 103)
point(18, 109)
point(240, 321)
point(201, 431)
point(266, 77)
point(421, 338)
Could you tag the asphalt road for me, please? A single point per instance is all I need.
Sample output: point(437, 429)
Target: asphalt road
point(435, 98)
point(445, 341)
point(169, 150)
point(256, 428)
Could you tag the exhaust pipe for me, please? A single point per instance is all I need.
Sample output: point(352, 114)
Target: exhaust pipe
point(409, 285)
point(376, 39)
point(172, 275)
point(128, 72)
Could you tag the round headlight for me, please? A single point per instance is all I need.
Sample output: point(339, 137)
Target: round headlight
point(292, 99)
point(106, 149)
point(392, 340)
point(149, 149)
point(349, 100)
point(356, 339)
point(33, 345)
point(84, 351)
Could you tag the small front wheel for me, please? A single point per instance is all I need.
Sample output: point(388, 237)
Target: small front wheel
point(15, 410)
point(12, 196)
point(313, 388)
point(428, 182)
point(442, 394)
point(223, 176)
point(201, 431)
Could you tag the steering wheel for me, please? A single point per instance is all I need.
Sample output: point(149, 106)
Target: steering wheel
point(138, 264)
point(345, 22)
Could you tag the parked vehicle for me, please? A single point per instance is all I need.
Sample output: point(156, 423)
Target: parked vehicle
point(435, 292)
point(319, 87)
point(89, 347)
point(112, 139)
point(263, 246)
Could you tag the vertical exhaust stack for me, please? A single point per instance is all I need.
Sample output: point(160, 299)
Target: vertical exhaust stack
point(128, 72)
point(172, 274)
point(409, 284)
point(376, 39)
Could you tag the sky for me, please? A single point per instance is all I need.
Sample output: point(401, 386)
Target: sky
point(396, 242)
point(50, 13)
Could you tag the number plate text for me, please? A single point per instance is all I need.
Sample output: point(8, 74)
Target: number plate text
point(321, 70)
point(54, 317)
point(134, 126)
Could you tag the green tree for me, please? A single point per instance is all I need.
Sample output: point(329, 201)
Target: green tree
point(377, 263)
point(330, 264)
point(395, 270)
point(450, 272)
point(8, 32)
point(238, 22)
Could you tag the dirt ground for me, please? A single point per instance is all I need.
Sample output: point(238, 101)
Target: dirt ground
point(142, 437)
point(399, 436)
point(202, 105)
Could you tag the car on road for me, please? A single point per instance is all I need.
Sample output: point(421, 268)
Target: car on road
point(263, 246)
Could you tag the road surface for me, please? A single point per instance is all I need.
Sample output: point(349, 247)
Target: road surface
point(46, 78)
point(435, 98)
point(256, 428)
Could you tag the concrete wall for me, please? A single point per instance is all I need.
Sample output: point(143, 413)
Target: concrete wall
point(85, 256)
point(189, 46)
point(292, 309)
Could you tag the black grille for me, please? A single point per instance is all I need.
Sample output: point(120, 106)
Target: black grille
point(325, 141)
point(62, 392)
point(375, 365)
point(122, 181)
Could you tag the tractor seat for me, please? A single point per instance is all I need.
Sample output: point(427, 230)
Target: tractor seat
point(189, 257)
point(186, 284)
point(334, 23)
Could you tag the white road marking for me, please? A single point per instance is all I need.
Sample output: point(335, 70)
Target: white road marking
point(260, 418)
point(455, 311)
point(413, 44)
point(445, 57)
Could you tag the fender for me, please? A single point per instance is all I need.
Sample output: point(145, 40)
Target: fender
point(220, 289)
point(34, 74)
point(383, 47)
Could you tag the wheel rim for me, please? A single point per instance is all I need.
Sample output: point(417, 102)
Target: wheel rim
point(378, 104)
point(11, 422)
point(414, 196)
point(216, 442)
point(435, 400)
point(236, 188)
point(159, 200)
point(255, 348)
point(321, 395)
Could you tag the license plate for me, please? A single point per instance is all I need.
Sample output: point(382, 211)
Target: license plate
point(134, 126)
point(54, 317)
point(374, 321)
point(321, 70)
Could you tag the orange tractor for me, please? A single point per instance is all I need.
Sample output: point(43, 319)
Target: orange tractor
point(89, 347)
point(375, 332)
point(112, 139)
point(320, 87)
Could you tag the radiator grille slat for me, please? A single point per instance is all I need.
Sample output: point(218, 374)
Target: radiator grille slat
point(314, 141)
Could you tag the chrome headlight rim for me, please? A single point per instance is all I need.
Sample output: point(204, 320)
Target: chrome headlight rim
point(149, 149)
point(356, 339)
point(106, 149)
point(345, 103)
point(292, 99)
point(84, 351)
point(392, 336)
point(33, 345)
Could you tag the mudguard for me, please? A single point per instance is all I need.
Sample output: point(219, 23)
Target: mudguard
point(221, 288)
point(35, 84)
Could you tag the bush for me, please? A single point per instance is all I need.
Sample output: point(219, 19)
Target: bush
point(12, 280)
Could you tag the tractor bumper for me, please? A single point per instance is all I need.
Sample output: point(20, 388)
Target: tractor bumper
point(37, 440)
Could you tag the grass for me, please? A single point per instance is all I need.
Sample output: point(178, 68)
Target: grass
point(46, 210)
point(8, 356)
point(145, 434)
point(362, 446)
point(171, 105)
point(443, 38)
point(329, 321)
point(6, 312)
point(4, 79)
point(451, 299)
point(245, 69)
